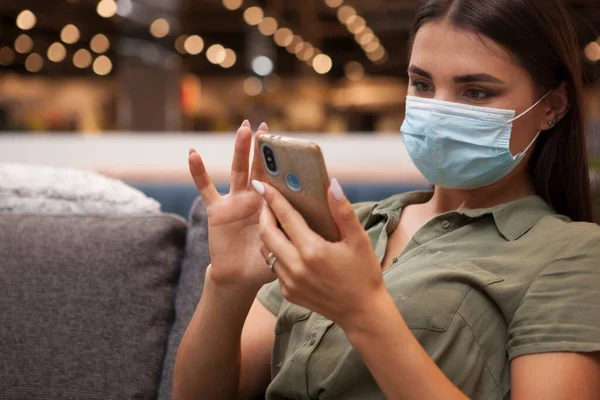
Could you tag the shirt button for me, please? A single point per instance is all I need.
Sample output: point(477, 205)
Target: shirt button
point(445, 224)
point(312, 340)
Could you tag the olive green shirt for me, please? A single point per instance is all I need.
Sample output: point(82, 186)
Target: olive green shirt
point(477, 288)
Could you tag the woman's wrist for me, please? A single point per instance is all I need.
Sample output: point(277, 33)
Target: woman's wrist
point(374, 317)
point(228, 292)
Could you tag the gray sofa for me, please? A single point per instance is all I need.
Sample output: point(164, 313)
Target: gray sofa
point(94, 306)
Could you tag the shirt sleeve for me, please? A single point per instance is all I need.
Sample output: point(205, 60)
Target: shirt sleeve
point(270, 296)
point(561, 309)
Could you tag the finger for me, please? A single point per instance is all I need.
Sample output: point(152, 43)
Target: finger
point(343, 213)
point(201, 178)
point(241, 154)
point(292, 223)
point(275, 241)
point(258, 169)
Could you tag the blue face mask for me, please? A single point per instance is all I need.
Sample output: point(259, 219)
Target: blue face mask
point(460, 146)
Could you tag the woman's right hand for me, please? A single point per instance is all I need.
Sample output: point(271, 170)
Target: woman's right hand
point(233, 219)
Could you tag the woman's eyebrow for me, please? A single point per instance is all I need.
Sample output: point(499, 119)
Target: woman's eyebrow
point(471, 78)
point(416, 70)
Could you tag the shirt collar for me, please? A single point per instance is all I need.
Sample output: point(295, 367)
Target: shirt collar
point(512, 219)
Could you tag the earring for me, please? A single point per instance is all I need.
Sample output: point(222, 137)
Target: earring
point(553, 123)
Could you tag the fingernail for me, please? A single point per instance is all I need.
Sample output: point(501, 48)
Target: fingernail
point(246, 123)
point(263, 127)
point(336, 190)
point(192, 150)
point(259, 187)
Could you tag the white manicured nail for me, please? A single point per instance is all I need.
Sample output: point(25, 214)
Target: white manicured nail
point(336, 190)
point(259, 187)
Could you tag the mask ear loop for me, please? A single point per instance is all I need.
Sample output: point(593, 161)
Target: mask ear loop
point(530, 108)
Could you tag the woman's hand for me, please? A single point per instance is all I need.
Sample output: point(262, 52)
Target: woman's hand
point(233, 219)
point(340, 281)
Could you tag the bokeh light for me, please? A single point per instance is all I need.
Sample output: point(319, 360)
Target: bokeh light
point(230, 59)
point(26, 20)
point(194, 45)
point(160, 28)
point(23, 44)
point(82, 58)
point(253, 86)
point(322, 64)
point(7, 56)
point(354, 71)
point(70, 34)
point(34, 63)
point(100, 43)
point(57, 52)
point(232, 4)
point(268, 26)
point(216, 54)
point(106, 8)
point(102, 66)
point(253, 15)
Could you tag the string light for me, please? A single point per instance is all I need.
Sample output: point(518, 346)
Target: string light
point(230, 59)
point(57, 52)
point(7, 56)
point(592, 51)
point(194, 45)
point(82, 58)
point(334, 3)
point(100, 43)
point(357, 25)
point(160, 28)
point(268, 26)
point(23, 44)
point(354, 71)
point(180, 44)
point(34, 63)
point(106, 8)
point(253, 15)
point(232, 4)
point(322, 64)
point(69, 34)
point(262, 65)
point(253, 86)
point(102, 66)
point(26, 20)
point(345, 13)
point(216, 54)
point(283, 37)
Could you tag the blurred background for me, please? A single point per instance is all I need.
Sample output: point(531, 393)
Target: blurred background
point(125, 87)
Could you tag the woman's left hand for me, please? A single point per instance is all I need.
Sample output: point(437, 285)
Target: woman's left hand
point(340, 281)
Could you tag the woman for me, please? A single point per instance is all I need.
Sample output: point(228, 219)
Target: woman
point(490, 283)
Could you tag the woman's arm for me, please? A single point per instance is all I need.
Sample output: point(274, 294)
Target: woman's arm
point(226, 350)
point(403, 370)
point(397, 361)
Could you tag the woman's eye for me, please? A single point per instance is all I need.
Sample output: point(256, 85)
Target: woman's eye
point(422, 86)
point(478, 94)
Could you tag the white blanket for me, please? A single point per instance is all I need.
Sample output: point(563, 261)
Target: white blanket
point(47, 190)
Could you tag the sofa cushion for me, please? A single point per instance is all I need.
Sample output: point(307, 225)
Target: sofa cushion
point(189, 289)
point(86, 304)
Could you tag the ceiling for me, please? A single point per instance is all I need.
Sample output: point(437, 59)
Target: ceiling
point(312, 19)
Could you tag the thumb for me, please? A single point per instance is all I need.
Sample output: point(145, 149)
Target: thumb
point(343, 212)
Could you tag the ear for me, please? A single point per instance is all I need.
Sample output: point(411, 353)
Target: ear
point(557, 105)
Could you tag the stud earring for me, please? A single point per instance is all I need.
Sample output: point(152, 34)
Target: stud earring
point(553, 123)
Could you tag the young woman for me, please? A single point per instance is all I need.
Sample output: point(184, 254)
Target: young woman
point(488, 287)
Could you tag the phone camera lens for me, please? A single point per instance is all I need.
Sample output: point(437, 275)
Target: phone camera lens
point(269, 158)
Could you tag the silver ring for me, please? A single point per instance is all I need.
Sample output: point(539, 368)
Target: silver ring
point(271, 260)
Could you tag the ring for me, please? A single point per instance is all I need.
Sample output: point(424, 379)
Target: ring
point(271, 260)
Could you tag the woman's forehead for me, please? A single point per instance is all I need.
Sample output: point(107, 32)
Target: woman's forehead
point(440, 48)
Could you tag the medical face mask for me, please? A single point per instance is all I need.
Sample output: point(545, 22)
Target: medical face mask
point(460, 146)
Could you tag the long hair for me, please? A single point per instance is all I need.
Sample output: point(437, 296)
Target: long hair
point(540, 36)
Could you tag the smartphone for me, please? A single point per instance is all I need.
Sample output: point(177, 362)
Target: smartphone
point(296, 168)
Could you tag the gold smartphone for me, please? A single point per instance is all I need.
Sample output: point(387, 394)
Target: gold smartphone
point(296, 168)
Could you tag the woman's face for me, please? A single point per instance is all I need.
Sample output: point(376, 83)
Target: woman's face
point(460, 66)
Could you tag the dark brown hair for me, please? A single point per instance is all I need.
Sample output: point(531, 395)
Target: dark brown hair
point(540, 36)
